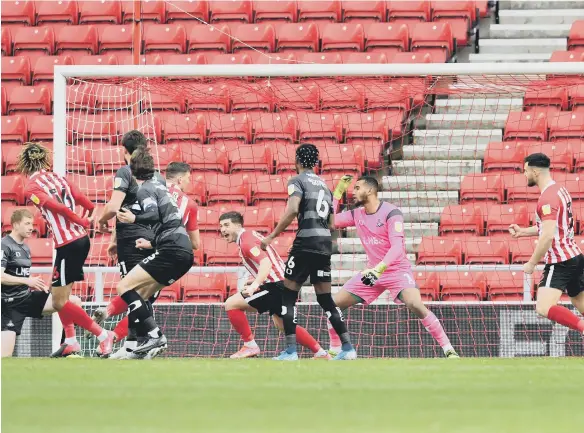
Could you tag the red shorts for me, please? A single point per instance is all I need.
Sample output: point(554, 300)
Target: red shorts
point(394, 282)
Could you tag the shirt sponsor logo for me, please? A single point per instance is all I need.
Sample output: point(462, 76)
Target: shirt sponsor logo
point(323, 274)
point(546, 209)
point(372, 241)
point(117, 182)
point(255, 251)
point(399, 227)
point(291, 189)
point(35, 199)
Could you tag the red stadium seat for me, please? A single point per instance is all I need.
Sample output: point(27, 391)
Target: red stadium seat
point(229, 128)
point(107, 12)
point(115, 38)
point(320, 58)
point(342, 97)
point(526, 126)
point(297, 37)
point(160, 38)
point(82, 97)
point(505, 156)
point(253, 97)
point(546, 96)
point(184, 59)
point(149, 11)
point(10, 152)
point(14, 129)
point(96, 188)
point(275, 127)
point(97, 60)
point(251, 158)
point(38, 222)
point(62, 11)
point(16, 69)
point(578, 149)
point(286, 11)
point(204, 288)
point(456, 219)
point(285, 157)
point(482, 186)
point(429, 285)
point(182, 127)
point(4, 101)
point(433, 37)
point(43, 70)
point(259, 219)
point(260, 37)
point(319, 10)
point(560, 154)
point(170, 294)
point(568, 125)
point(419, 57)
point(295, 96)
point(363, 58)
point(229, 59)
point(576, 36)
point(204, 158)
point(341, 157)
point(578, 214)
point(517, 189)
point(499, 217)
point(209, 219)
point(233, 11)
point(13, 188)
point(209, 38)
point(166, 154)
point(485, 250)
point(270, 188)
point(208, 97)
point(363, 11)
point(282, 244)
point(567, 56)
point(222, 187)
point(83, 127)
point(521, 249)
point(108, 160)
point(393, 95)
point(463, 286)
point(369, 131)
point(386, 37)
point(77, 41)
point(434, 250)
point(186, 12)
point(220, 253)
point(408, 10)
point(320, 127)
point(505, 286)
point(343, 36)
point(41, 251)
point(169, 101)
point(576, 95)
point(25, 99)
point(27, 40)
point(20, 13)
point(279, 210)
point(454, 9)
point(6, 41)
point(575, 185)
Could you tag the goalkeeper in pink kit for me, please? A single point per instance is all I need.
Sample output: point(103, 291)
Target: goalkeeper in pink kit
point(380, 226)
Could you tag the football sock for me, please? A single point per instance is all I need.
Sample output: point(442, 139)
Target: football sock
point(565, 317)
point(239, 322)
point(71, 313)
point(137, 310)
point(116, 306)
point(335, 341)
point(335, 316)
point(434, 327)
point(304, 338)
point(121, 329)
point(289, 298)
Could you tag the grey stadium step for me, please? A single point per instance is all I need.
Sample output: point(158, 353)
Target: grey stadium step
point(437, 168)
point(355, 246)
point(420, 198)
point(430, 152)
point(458, 137)
point(478, 105)
point(522, 46)
point(417, 183)
point(541, 16)
point(464, 121)
point(530, 4)
point(506, 58)
point(518, 31)
point(411, 230)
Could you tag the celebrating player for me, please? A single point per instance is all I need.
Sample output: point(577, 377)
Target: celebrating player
point(310, 200)
point(56, 199)
point(172, 258)
point(380, 226)
point(264, 293)
point(22, 295)
point(564, 262)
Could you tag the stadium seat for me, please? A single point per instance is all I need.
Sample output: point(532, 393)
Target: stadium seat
point(505, 156)
point(542, 95)
point(204, 158)
point(170, 293)
point(505, 286)
point(434, 250)
point(209, 38)
point(259, 219)
point(27, 99)
point(209, 219)
point(319, 10)
point(375, 58)
point(77, 41)
point(279, 210)
point(419, 57)
point(37, 40)
point(218, 252)
point(10, 152)
point(567, 56)
point(96, 188)
point(482, 186)
point(567, 125)
point(229, 59)
point(4, 101)
point(107, 161)
point(116, 38)
point(20, 13)
point(408, 10)
point(251, 158)
point(435, 38)
point(269, 188)
point(110, 59)
point(233, 11)
point(370, 132)
point(574, 183)
point(559, 152)
point(485, 250)
point(6, 38)
point(14, 129)
point(499, 217)
point(208, 97)
point(283, 243)
point(16, 69)
point(164, 38)
point(63, 12)
point(320, 58)
point(295, 37)
point(107, 12)
point(517, 189)
point(149, 11)
point(204, 288)
point(186, 12)
point(13, 188)
point(254, 97)
point(463, 286)
point(285, 157)
point(576, 36)
point(171, 152)
point(184, 127)
point(38, 222)
point(429, 285)
point(41, 251)
point(526, 126)
point(342, 97)
point(261, 37)
point(386, 37)
point(371, 11)
point(228, 128)
point(521, 249)
point(319, 128)
point(578, 214)
point(342, 158)
point(171, 100)
point(295, 96)
point(392, 95)
point(184, 59)
point(457, 219)
point(275, 127)
point(226, 188)
point(43, 69)
point(461, 15)
point(281, 11)
point(84, 127)
point(343, 36)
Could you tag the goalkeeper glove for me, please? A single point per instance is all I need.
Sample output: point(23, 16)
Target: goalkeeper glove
point(342, 186)
point(370, 276)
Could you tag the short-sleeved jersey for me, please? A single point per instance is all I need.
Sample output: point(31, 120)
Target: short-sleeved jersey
point(313, 233)
point(154, 198)
point(125, 182)
point(378, 232)
point(555, 203)
point(45, 185)
point(16, 261)
point(251, 253)
point(187, 208)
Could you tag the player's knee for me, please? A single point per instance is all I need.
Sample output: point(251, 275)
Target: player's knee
point(542, 308)
point(75, 300)
point(59, 302)
point(230, 304)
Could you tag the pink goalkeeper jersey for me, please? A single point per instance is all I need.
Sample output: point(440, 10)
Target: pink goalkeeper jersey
point(381, 233)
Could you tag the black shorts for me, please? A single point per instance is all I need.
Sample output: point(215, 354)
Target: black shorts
point(267, 298)
point(567, 276)
point(129, 256)
point(301, 265)
point(69, 262)
point(168, 264)
point(14, 313)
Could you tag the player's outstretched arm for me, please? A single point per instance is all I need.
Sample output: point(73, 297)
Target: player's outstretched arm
point(42, 199)
point(290, 213)
point(82, 199)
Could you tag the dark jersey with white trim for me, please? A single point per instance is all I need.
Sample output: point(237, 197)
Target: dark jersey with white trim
point(125, 182)
point(16, 261)
point(313, 233)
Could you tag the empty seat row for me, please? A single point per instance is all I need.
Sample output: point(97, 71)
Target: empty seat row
point(554, 96)
point(538, 125)
point(576, 37)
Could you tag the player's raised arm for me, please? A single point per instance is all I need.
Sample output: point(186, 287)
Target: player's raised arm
point(340, 220)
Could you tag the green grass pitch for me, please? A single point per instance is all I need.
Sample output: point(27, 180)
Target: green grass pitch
point(536, 395)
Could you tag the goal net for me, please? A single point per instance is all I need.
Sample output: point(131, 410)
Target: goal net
point(446, 143)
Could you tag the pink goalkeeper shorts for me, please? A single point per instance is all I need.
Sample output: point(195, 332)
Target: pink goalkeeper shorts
point(394, 282)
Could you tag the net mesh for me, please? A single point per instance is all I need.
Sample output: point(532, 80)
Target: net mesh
point(448, 150)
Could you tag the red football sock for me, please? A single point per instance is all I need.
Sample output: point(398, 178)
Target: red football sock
point(304, 338)
point(116, 306)
point(239, 322)
point(121, 329)
point(68, 326)
point(72, 313)
point(565, 317)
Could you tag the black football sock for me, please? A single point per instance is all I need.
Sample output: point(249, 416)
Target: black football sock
point(289, 298)
point(335, 317)
point(137, 310)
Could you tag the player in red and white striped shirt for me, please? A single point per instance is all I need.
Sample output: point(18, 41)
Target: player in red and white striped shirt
point(56, 199)
point(564, 262)
point(178, 177)
point(264, 293)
